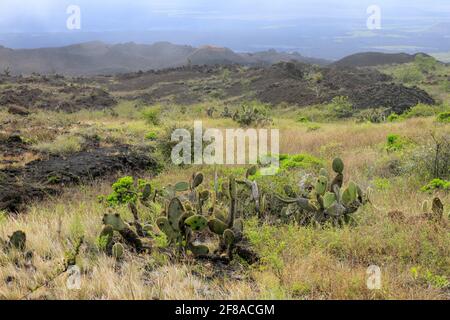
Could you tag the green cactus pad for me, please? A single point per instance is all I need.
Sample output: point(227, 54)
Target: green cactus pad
point(324, 172)
point(115, 221)
point(228, 237)
point(169, 191)
point(336, 210)
point(18, 240)
point(321, 185)
point(328, 199)
point(347, 198)
point(232, 187)
point(117, 250)
point(262, 204)
point(221, 215)
point(146, 192)
point(174, 213)
point(426, 206)
point(196, 223)
point(251, 171)
point(238, 225)
point(204, 195)
point(199, 250)
point(353, 189)
point(437, 208)
point(216, 226)
point(164, 226)
point(106, 235)
point(338, 165)
point(197, 179)
point(182, 186)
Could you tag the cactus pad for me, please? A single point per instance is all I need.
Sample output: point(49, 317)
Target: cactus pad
point(117, 250)
point(199, 250)
point(338, 165)
point(182, 186)
point(174, 213)
point(216, 226)
point(196, 223)
point(197, 179)
point(115, 221)
point(321, 185)
point(229, 237)
point(328, 199)
point(18, 240)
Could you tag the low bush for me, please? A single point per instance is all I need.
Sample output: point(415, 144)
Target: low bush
point(443, 117)
point(152, 115)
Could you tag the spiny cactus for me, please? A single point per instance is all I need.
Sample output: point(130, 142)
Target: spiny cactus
point(179, 224)
point(433, 211)
point(326, 201)
point(130, 237)
point(18, 240)
point(255, 195)
point(196, 222)
point(105, 239)
point(118, 251)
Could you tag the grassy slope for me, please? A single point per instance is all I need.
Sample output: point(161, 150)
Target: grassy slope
point(297, 262)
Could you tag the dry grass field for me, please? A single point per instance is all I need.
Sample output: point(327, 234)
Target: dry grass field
point(296, 262)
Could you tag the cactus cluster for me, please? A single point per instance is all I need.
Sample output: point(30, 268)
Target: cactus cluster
point(433, 210)
point(184, 217)
point(113, 223)
point(326, 200)
point(181, 220)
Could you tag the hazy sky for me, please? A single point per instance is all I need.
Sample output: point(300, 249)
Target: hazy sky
point(114, 15)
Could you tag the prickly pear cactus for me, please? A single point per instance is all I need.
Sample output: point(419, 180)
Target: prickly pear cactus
point(129, 235)
point(174, 213)
point(106, 238)
point(118, 251)
point(198, 250)
point(18, 240)
point(217, 226)
point(196, 223)
point(115, 221)
point(182, 186)
point(338, 165)
point(326, 201)
point(197, 179)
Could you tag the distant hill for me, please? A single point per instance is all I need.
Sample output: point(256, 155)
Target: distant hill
point(100, 58)
point(369, 59)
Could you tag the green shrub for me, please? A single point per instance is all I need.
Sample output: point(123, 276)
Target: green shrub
point(425, 64)
point(125, 191)
point(342, 107)
point(382, 183)
point(393, 117)
point(302, 160)
point(152, 135)
point(422, 110)
point(394, 142)
point(443, 117)
point(252, 114)
point(302, 119)
point(152, 115)
point(436, 184)
point(409, 74)
point(446, 85)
